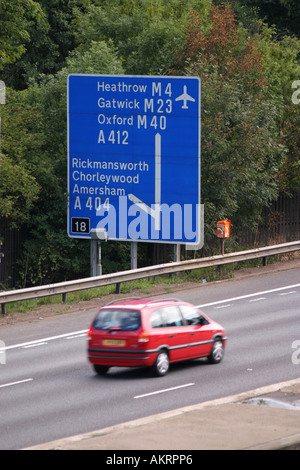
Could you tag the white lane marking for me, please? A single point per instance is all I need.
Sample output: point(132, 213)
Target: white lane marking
point(248, 295)
point(83, 332)
point(76, 336)
point(222, 306)
point(257, 300)
point(289, 293)
point(34, 345)
point(16, 383)
point(51, 338)
point(164, 391)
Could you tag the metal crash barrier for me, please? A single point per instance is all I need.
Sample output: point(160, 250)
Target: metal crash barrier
point(63, 288)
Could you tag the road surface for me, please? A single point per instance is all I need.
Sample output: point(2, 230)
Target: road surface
point(49, 391)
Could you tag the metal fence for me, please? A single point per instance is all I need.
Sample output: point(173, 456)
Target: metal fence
point(13, 240)
point(280, 222)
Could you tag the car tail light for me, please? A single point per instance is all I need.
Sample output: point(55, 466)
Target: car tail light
point(143, 337)
point(89, 334)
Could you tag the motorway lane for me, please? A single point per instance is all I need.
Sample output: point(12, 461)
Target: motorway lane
point(61, 396)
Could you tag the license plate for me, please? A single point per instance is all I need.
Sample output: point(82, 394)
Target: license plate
point(114, 342)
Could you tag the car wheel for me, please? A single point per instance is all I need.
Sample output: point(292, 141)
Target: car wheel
point(100, 370)
point(162, 364)
point(217, 352)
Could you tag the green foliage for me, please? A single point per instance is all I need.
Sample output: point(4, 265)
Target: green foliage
point(241, 148)
point(15, 17)
point(282, 67)
point(241, 154)
point(284, 14)
point(146, 34)
point(36, 136)
point(49, 40)
point(20, 170)
point(18, 191)
point(281, 60)
point(250, 126)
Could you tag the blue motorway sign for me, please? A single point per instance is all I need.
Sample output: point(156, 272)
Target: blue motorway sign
point(134, 157)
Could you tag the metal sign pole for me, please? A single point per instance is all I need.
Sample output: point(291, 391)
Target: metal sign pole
point(93, 257)
point(99, 262)
point(97, 235)
point(133, 255)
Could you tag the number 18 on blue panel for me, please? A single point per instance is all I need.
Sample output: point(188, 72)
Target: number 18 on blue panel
point(134, 157)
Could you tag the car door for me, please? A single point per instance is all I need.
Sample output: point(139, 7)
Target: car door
point(176, 333)
point(199, 331)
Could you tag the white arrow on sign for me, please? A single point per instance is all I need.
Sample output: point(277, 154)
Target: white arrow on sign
point(155, 213)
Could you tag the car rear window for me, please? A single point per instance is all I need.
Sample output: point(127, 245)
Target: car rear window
point(119, 319)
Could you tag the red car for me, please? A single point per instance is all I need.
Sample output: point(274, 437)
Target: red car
point(152, 333)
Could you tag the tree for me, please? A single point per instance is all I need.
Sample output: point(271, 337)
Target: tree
point(282, 67)
point(145, 34)
point(241, 150)
point(15, 17)
point(250, 127)
point(49, 41)
point(18, 192)
point(19, 188)
point(49, 255)
point(284, 14)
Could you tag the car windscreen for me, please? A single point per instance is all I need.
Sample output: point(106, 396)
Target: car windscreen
point(118, 319)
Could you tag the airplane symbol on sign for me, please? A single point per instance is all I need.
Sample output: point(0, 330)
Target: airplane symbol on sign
point(185, 98)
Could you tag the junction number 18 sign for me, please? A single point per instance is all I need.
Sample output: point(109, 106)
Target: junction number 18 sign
point(134, 157)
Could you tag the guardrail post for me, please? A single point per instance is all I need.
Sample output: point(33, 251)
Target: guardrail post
point(222, 253)
point(177, 255)
point(3, 309)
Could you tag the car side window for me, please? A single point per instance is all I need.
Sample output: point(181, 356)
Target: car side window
point(172, 316)
point(156, 319)
point(192, 316)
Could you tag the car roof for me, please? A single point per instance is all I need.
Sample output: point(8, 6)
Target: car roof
point(138, 303)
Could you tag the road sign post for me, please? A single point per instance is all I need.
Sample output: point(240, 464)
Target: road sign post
point(134, 158)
